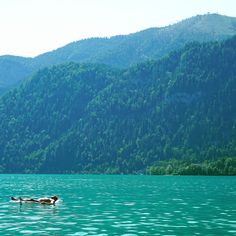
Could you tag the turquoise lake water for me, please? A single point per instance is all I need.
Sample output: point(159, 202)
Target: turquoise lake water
point(119, 205)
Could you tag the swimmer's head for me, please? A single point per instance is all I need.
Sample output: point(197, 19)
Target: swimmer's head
point(55, 198)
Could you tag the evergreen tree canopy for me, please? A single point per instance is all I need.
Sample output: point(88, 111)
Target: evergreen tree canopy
point(87, 118)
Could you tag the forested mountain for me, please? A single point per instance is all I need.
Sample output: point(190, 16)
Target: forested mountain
point(153, 43)
point(12, 70)
point(122, 51)
point(44, 107)
point(90, 118)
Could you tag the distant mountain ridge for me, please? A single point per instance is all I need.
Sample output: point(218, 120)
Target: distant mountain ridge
point(122, 51)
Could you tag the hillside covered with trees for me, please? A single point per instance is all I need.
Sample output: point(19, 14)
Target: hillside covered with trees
point(221, 166)
point(85, 118)
point(121, 51)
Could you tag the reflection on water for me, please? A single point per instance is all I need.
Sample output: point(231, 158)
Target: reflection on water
point(119, 205)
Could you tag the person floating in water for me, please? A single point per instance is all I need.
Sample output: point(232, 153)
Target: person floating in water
point(47, 201)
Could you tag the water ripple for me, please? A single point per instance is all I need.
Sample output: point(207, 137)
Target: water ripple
point(119, 205)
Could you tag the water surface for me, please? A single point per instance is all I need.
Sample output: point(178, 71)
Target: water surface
point(119, 205)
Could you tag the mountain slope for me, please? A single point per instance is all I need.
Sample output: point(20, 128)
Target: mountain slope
point(44, 107)
point(123, 51)
point(12, 70)
point(182, 109)
point(85, 118)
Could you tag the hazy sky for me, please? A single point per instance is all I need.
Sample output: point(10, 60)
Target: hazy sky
point(31, 27)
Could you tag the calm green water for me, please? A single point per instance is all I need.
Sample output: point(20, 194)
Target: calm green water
point(119, 205)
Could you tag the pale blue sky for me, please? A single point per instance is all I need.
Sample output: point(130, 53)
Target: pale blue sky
point(31, 27)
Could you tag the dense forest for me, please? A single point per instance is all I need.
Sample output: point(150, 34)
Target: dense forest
point(222, 166)
point(121, 51)
point(85, 118)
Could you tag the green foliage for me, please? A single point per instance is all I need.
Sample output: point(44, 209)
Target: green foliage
point(92, 119)
point(222, 166)
point(43, 108)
